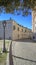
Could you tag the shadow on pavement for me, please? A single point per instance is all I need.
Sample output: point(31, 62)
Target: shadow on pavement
point(25, 40)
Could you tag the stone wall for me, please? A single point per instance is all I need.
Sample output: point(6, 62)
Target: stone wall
point(8, 30)
point(22, 33)
point(14, 31)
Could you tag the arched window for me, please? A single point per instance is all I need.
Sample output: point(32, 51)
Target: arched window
point(25, 30)
point(22, 30)
point(14, 27)
point(18, 29)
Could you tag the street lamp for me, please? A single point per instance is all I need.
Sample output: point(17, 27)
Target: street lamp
point(4, 25)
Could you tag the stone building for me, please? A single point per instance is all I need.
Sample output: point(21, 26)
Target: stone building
point(8, 29)
point(20, 32)
point(17, 31)
point(34, 23)
point(34, 20)
point(14, 31)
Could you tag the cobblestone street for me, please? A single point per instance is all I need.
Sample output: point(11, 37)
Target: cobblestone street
point(24, 53)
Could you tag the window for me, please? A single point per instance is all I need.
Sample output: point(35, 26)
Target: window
point(18, 29)
point(22, 30)
point(25, 30)
point(33, 37)
point(13, 27)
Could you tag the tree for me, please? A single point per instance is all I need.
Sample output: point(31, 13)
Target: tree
point(21, 5)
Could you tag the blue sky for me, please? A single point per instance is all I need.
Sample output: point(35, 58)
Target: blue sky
point(24, 21)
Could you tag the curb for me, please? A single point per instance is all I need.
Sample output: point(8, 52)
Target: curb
point(7, 60)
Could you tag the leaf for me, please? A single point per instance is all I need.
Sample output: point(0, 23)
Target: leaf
point(14, 4)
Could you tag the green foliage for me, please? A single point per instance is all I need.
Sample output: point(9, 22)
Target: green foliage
point(3, 58)
point(11, 5)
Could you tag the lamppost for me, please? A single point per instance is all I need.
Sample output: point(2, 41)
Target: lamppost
point(4, 25)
